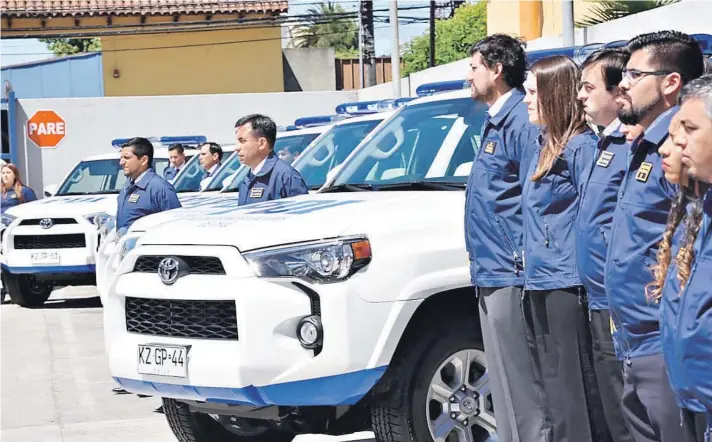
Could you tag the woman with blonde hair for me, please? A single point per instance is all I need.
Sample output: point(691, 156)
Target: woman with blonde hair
point(556, 299)
point(14, 192)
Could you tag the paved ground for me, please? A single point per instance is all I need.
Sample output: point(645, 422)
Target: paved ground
point(55, 383)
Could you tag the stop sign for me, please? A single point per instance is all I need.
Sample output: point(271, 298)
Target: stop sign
point(46, 128)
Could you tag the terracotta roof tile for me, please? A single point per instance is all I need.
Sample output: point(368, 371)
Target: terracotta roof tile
point(75, 8)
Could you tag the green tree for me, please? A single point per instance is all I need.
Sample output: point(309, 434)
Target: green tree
point(328, 28)
point(69, 46)
point(453, 39)
point(607, 10)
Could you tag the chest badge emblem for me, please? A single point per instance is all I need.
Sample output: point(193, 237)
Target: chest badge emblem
point(644, 172)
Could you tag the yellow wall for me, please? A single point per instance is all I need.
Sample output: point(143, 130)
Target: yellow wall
point(207, 67)
point(523, 17)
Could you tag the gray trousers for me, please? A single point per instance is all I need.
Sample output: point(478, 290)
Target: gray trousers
point(649, 404)
point(517, 394)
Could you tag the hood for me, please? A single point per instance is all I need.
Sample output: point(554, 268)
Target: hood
point(65, 206)
point(194, 204)
point(310, 217)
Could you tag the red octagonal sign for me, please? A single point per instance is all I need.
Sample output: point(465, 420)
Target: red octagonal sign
point(46, 129)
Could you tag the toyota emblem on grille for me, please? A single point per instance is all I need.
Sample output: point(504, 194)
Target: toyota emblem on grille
point(46, 223)
point(171, 268)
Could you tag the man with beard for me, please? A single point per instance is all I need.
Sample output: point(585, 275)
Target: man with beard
point(660, 64)
point(494, 235)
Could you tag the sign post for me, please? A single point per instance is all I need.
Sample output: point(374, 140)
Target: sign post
point(46, 129)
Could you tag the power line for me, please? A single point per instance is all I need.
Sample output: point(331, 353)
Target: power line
point(221, 43)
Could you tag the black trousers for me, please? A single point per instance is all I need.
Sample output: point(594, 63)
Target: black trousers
point(560, 343)
point(649, 404)
point(609, 375)
point(517, 394)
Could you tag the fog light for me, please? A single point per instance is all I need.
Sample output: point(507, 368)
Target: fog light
point(309, 332)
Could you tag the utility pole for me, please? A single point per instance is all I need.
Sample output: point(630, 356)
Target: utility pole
point(369, 50)
point(395, 56)
point(432, 33)
point(567, 17)
point(360, 45)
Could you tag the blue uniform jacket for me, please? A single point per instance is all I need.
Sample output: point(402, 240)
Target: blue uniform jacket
point(493, 212)
point(693, 340)
point(599, 194)
point(170, 172)
point(10, 199)
point(275, 180)
point(669, 313)
point(638, 225)
point(151, 194)
point(550, 211)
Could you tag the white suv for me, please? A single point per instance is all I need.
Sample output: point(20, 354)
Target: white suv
point(349, 309)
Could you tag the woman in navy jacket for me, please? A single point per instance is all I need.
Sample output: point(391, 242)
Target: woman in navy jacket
point(556, 298)
point(682, 273)
point(13, 191)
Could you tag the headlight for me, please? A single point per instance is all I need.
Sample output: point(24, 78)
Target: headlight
point(98, 218)
point(7, 219)
point(329, 261)
point(125, 245)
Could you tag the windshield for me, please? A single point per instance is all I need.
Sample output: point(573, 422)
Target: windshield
point(331, 150)
point(232, 165)
point(435, 141)
point(188, 179)
point(289, 147)
point(100, 176)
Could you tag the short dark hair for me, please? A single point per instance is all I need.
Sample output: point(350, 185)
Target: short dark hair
point(672, 51)
point(177, 147)
point(612, 62)
point(262, 126)
point(509, 51)
point(141, 148)
point(214, 148)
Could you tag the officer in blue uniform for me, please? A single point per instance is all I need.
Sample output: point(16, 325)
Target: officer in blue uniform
point(660, 64)
point(269, 178)
point(176, 156)
point(600, 75)
point(686, 311)
point(14, 192)
point(144, 192)
point(494, 235)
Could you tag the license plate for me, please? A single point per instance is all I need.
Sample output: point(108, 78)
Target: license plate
point(44, 257)
point(163, 360)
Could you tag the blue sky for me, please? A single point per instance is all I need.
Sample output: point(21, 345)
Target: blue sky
point(14, 51)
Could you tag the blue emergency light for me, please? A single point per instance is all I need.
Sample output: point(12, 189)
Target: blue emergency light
point(318, 120)
point(186, 140)
point(358, 108)
point(393, 103)
point(427, 89)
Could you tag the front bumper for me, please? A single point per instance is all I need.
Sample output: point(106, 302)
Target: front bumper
point(67, 261)
point(266, 364)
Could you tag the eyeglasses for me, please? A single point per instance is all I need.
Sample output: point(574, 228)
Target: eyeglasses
point(634, 75)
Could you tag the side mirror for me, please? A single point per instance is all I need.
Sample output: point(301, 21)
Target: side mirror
point(50, 190)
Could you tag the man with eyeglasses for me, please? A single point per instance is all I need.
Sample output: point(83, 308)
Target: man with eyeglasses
point(660, 64)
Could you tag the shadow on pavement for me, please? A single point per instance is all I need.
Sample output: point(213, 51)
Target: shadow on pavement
point(90, 302)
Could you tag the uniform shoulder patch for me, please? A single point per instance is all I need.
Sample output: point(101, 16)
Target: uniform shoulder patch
point(134, 197)
point(605, 159)
point(490, 146)
point(256, 192)
point(644, 172)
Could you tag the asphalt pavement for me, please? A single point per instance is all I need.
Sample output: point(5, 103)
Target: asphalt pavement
point(55, 384)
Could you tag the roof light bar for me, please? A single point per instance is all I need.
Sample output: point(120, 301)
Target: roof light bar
point(427, 89)
point(358, 108)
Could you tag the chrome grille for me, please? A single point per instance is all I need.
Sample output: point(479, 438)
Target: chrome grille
point(182, 319)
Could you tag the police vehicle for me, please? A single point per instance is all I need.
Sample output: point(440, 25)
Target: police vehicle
point(331, 144)
point(343, 310)
point(51, 242)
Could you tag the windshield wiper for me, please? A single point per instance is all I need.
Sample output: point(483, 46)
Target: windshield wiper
point(423, 185)
point(348, 188)
point(88, 193)
point(316, 187)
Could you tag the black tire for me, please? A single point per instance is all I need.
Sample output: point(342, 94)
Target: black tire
point(26, 291)
point(400, 399)
point(188, 426)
